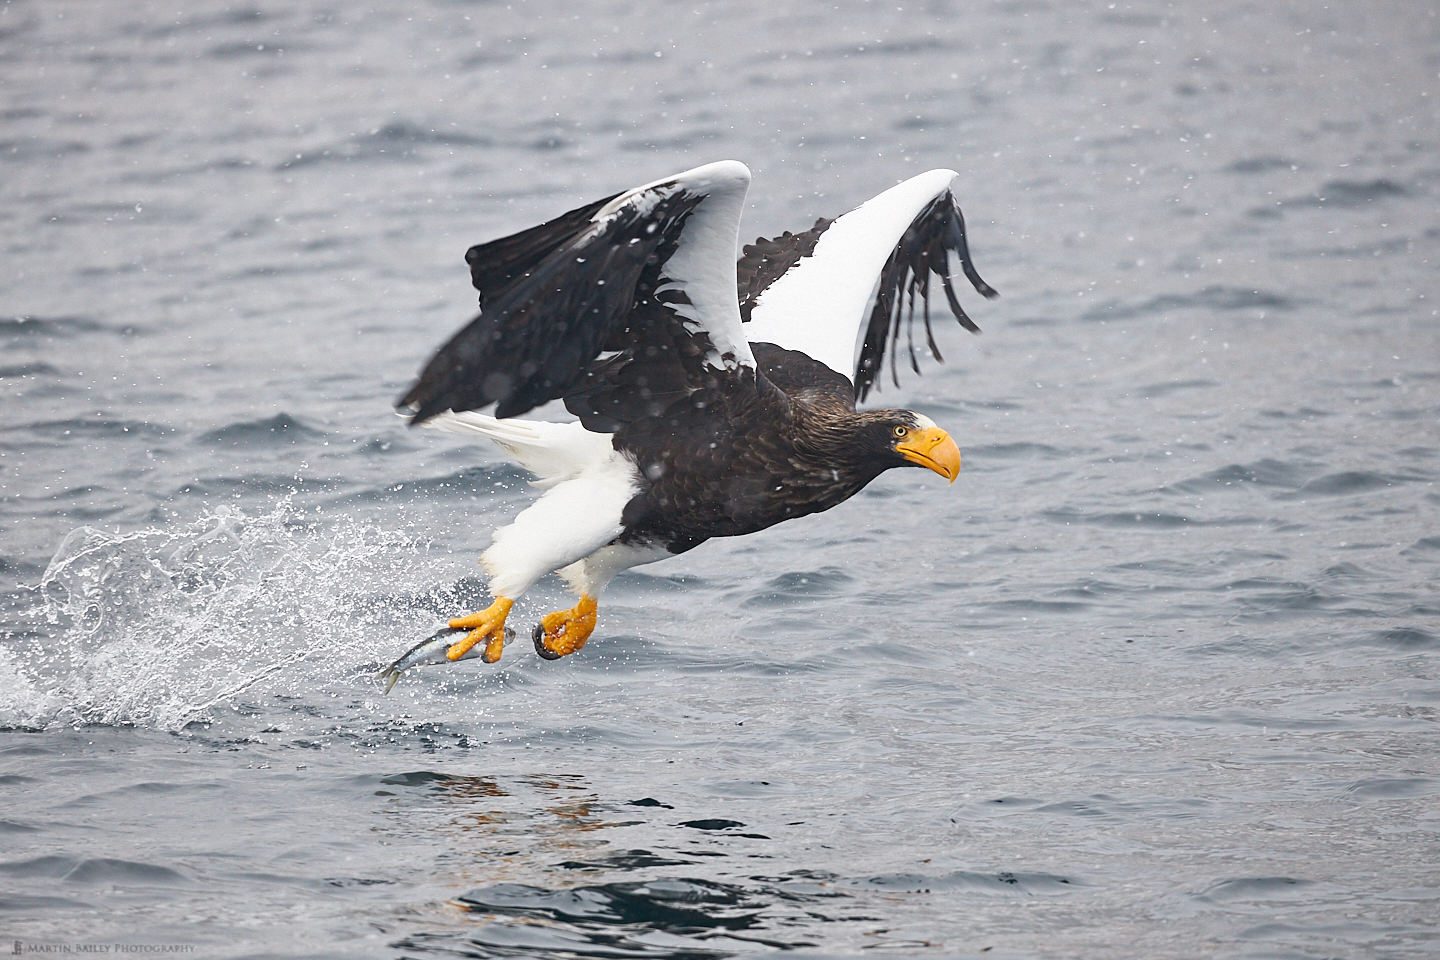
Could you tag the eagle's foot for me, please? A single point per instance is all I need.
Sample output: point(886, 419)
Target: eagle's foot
point(563, 632)
point(487, 625)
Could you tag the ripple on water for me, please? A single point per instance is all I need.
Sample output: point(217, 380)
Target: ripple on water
point(111, 871)
point(1272, 597)
point(21, 370)
point(205, 22)
point(94, 870)
point(1005, 882)
point(1264, 163)
point(249, 484)
point(1018, 451)
point(686, 916)
point(1355, 193)
point(42, 149)
point(680, 906)
point(95, 428)
point(1393, 788)
point(1097, 806)
point(238, 49)
point(712, 823)
point(794, 585)
point(66, 327)
point(396, 140)
point(38, 867)
point(622, 860)
point(1138, 519)
point(27, 905)
point(423, 778)
point(1039, 607)
point(1349, 483)
point(1222, 298)
point(1267, 472)
point(479, 478)
point(1405, 638)
point(281, 430)
point(1257, 890)
point(1303, 413)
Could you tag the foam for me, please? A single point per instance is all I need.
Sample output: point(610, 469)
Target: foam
point(165, 626)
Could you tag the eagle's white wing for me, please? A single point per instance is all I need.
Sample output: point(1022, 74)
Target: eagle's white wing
point(810, 291)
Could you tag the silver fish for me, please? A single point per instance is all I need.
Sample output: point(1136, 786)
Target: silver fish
point(431, 650)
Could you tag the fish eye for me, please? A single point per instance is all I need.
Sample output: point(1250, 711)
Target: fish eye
point(900, 432)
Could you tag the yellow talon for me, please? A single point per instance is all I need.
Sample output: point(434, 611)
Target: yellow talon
point(487, 625)
point(563, 632)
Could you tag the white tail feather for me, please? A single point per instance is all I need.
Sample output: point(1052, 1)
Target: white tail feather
point(554, 452)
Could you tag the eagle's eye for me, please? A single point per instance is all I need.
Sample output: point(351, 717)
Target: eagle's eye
point(900, 432)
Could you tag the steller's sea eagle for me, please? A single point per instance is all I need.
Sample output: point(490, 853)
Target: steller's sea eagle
point(702, 411)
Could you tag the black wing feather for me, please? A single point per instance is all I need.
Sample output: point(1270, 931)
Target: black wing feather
point(767, 260)
point(646, 379)
point(556, 296)
point(924, 249)
point(496, 265)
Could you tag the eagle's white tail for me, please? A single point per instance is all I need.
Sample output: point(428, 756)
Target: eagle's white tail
point(552, 451)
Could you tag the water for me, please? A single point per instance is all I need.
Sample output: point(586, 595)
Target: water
point(1157, 677)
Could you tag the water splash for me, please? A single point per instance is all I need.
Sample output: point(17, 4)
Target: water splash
point(161, 627)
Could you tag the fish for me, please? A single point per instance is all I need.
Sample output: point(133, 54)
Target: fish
point(431, 650)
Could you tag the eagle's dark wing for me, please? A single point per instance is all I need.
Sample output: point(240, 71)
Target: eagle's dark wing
point(646, 276)
point(811, 291)
point(767, 260)
point(496, 265)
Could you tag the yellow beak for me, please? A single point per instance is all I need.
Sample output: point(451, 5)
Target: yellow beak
point(933, 449)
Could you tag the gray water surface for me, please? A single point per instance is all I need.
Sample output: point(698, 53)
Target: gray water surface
point(1156, 678)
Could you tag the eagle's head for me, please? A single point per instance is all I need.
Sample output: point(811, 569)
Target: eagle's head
point(900, 438)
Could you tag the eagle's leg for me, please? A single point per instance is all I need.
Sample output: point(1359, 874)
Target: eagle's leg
point(487, 625)
point(565, 631)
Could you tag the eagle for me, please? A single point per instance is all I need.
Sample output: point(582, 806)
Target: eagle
point(711, 399)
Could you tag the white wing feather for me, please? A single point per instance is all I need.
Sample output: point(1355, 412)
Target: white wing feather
point(819, 306)
point(703, 264)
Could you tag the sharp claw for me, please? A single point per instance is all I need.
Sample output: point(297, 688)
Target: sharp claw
point(565, 631)
point(539, 637)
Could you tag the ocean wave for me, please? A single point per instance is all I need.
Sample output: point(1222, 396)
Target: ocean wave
point(280, 430)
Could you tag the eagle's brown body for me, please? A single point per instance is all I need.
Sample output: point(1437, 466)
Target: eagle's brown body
point(743, 457)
